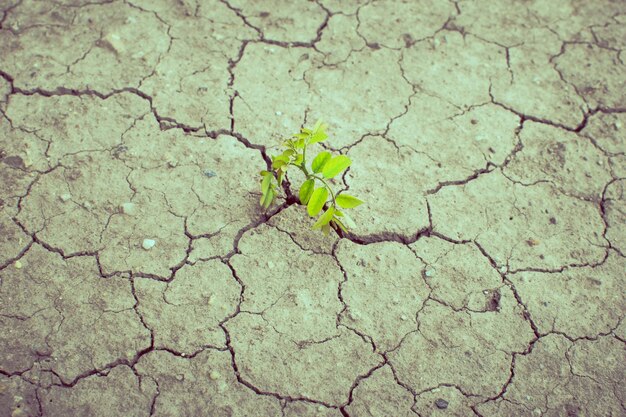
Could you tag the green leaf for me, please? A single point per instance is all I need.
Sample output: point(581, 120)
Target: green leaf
point(281, 174)
point(288, 153)
point(279, 162)
point(265, 184)
point(298, 160)
point(336, 165)
point(319, 161)
point(339, 223)
point(306, 190)
point(267, 199)
point(265, 173)
point(280, 158)
point(301, 135)
point(318, 137)
point(319, 132)
point(348, 201)
point(324, 218)
point(318, 125)
point(326, 229)
point(317, 200)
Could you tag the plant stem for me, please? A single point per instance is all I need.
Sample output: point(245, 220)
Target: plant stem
point(303, 169)
point(327, 187)
point(309, 175)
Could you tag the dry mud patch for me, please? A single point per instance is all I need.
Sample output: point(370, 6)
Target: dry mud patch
point(140, 277)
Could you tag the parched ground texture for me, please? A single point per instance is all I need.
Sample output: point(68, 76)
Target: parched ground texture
point(486, 275)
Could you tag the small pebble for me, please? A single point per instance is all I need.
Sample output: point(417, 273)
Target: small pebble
point(65, 197)
point(441, 403)
point(214, 375)
point(270, 264)
point(503, 269)
point(279, 113)
point(617, 125)
point(87, 205)
point(429, 272)
point(148, 244)
point(403, 317)
point(209, 174)
point(18, 265)
point(128, 209)
point(115, 42)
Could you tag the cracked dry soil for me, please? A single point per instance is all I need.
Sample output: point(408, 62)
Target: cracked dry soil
point(139, 276)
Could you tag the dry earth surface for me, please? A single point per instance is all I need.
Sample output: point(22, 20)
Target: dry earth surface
point(486, 276)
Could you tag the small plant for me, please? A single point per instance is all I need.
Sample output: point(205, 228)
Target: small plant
point(323, 167)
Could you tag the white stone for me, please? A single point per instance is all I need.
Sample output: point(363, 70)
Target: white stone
point(128, 209)
point(114, 42)
point(65, 197)
point(214, 375)
point(429, 272)
point(148, 244)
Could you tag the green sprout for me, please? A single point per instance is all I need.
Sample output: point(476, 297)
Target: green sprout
point(323, 168)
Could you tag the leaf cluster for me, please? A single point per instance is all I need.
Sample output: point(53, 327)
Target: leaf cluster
point(315, 190)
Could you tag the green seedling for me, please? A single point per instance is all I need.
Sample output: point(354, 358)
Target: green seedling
point(315, 190)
